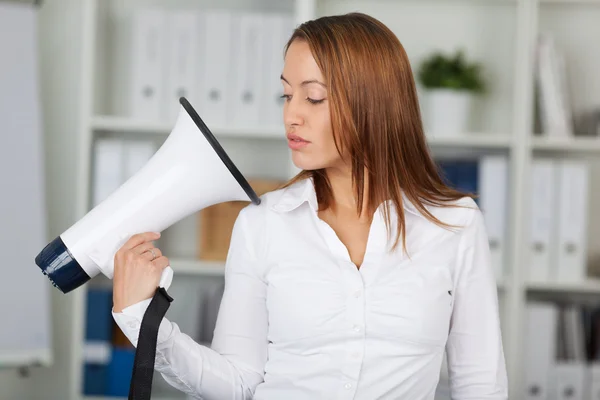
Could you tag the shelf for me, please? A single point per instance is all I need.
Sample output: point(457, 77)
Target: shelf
point(571, 2)
point(472, 140)
point(589, 286)
point(176, 397)
point(197, 267)
point(568, 144)
point(141, 127)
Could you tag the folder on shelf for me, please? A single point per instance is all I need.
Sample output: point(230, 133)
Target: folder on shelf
point(249, 39)
point(107, 168)
point(215, 68)
point(120, 370)
point(148, 59)
point(183, 60)
point(136, 154)
point(487, 178)
point(98, 339)
point(573, 192)
point(569, 380)
point(593, 381)
point(540, 349)
point(210, 311)
point(552, 91)
point(493, 201)
point(280, 28)
point(542, 223)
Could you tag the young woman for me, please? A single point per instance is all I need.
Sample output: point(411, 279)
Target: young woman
point(353, 280)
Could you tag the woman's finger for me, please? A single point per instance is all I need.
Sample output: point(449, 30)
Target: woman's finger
point(142, 248)
point(161, 262)
point(140, 238)
point(152, 253)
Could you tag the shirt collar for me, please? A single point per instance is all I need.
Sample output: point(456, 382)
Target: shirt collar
point(303, 191)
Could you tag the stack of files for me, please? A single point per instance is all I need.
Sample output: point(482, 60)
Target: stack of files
point(487, 178)
point(98, 339)
point(227, 64)
point(114, 161)
point(553, 100)
point(210, 311)
point(562, 355)
point(120, 371)
point(558, 213)
point(108, 354)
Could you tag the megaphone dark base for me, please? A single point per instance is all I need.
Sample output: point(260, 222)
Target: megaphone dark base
point(60, 265)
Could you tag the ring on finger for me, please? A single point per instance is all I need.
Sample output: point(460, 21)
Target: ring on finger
point(153, 254)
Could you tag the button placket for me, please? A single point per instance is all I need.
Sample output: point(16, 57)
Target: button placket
point(355, 318)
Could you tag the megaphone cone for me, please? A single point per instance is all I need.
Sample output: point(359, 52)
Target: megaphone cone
point(189, 172)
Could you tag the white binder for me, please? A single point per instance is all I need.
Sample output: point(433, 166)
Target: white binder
point(540, 356)
point(184, 54)
point(493, 190)
point(136, 155)
point(542, 223)
point(573, 195)
point(215, 68)
point(108, 167)
point(593, 384)
point(148, 58)
point(280, 28)
point(569, 380)
point(247, 90)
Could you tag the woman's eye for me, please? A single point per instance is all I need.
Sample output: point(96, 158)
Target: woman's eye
point(288, 97)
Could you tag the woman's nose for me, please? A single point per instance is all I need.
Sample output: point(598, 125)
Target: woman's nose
point(292, 115)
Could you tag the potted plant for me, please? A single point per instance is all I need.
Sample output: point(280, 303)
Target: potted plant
point(451, 83)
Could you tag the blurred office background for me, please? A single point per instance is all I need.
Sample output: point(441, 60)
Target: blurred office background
point(89, 89)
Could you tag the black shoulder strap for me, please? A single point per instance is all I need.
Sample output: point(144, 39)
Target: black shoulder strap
point(143, 366)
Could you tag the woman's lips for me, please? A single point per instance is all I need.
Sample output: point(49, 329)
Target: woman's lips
point(296, 142)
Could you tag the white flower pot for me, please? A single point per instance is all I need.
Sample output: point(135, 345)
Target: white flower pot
point(447, 112)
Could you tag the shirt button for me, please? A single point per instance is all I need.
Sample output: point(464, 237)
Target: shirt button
point(132, 325)
point(355, 355)
point(357, 293)
point(348, 386)
point(356, 328)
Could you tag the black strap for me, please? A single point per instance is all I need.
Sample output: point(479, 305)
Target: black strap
point(143, 366)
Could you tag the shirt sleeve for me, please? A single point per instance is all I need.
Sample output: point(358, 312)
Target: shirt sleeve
point(476, 365)
point(234, 365)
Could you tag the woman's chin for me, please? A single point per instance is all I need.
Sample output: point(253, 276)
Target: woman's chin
point(304, 162)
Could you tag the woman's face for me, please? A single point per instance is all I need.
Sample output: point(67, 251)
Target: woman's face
point(306, 110)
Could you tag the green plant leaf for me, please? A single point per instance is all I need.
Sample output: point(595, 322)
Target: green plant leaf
point(452, 71)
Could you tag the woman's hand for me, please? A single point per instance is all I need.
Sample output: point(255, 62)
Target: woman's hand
point(138, 268)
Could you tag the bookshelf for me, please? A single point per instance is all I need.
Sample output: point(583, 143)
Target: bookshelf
point(500, 33)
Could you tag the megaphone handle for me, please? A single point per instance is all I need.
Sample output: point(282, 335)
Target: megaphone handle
point(140, 387)
point(166, 278)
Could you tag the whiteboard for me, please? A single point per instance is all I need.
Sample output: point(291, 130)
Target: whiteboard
point(25, 331)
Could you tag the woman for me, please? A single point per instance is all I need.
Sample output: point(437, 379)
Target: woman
point(354, 279)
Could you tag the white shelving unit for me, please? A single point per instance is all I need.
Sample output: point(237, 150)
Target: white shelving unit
point(500, 33)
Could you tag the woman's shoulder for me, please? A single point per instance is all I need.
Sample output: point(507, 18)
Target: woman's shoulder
point(460, 212)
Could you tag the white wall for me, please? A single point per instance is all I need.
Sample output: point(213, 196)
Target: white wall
point(59, 35)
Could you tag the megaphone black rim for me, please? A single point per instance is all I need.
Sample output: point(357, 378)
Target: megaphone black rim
point(219, 150)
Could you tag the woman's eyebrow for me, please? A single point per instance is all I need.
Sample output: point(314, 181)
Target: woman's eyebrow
point(307, 82)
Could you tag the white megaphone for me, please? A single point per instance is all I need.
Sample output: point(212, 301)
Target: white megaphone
point(189, 172)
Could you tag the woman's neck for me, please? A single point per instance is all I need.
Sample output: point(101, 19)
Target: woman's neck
point(344, 192)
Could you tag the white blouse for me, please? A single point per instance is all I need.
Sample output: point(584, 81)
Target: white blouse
point(298, 320)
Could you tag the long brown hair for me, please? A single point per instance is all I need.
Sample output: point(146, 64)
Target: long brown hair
point(375, 117)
